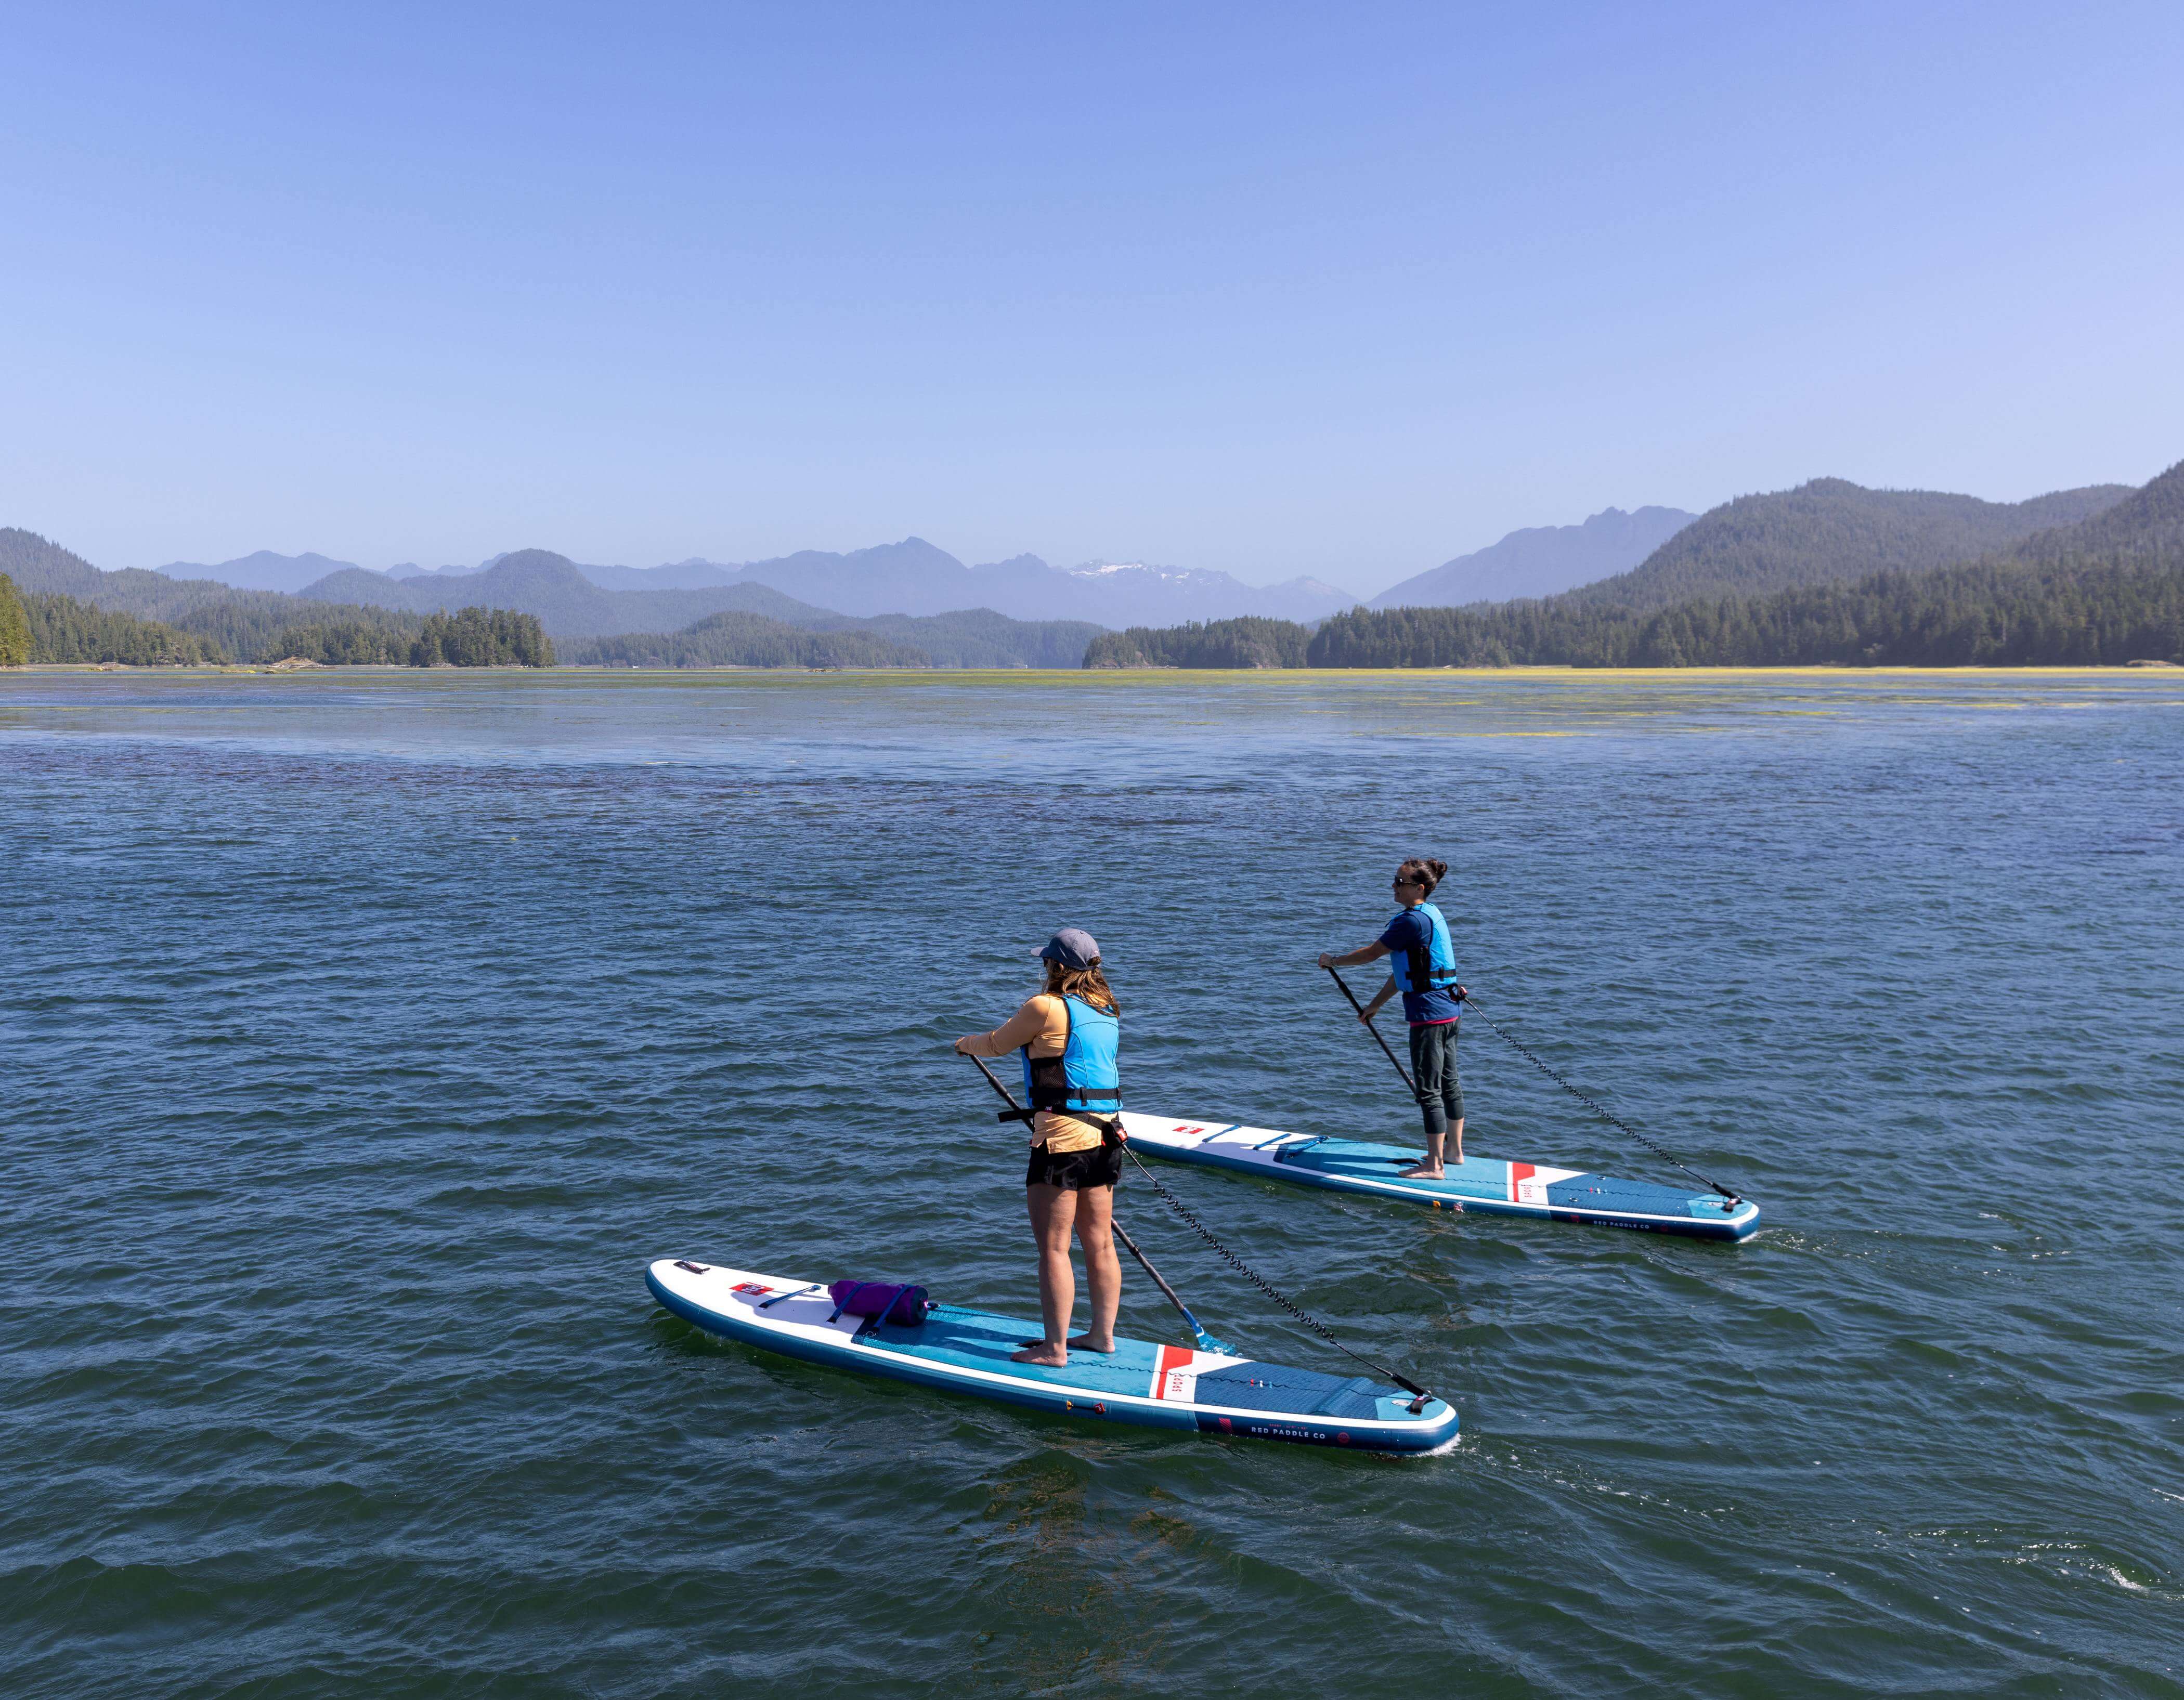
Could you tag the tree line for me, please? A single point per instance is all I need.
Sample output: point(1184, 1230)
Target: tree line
point(60, 629)
point(2063, 611)
point(1251, 640)
point(52, 628)
point(473, 637)
point(482, 637)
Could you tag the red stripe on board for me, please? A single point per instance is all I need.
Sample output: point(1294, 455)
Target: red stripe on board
point(1520, 1171)
point(1171, 1357)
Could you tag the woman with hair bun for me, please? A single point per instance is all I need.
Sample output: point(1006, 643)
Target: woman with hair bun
point(1417, 944)
point(1069, 1034)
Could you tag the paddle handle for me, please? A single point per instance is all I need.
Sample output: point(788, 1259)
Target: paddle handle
point(1375, 1032)
point(1016, 1111)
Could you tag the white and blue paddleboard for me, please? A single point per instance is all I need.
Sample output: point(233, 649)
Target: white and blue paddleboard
point(967, 1352)
point(1483, 1184)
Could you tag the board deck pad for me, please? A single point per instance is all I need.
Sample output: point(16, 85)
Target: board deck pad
point(1488, 1184)
point(968, 1351)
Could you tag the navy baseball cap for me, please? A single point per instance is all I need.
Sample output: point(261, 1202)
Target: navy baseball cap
point(1073, 948)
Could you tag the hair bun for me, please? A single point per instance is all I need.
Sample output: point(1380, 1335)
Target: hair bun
point(1440, 871)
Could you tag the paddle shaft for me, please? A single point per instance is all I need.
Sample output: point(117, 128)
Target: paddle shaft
point(1016, 1111)
point(1375, 1032)
point(1196, 1331)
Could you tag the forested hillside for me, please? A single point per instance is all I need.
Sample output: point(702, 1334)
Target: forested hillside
point(2108, 589)
point(65, 630)
point(243, 625)
point(1832, 531)
point(42, 627)
point(973, 638)
point(2147, 524)
point(744, 639)
point(1984, 615)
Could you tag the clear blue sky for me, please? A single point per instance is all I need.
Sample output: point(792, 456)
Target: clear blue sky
point(1275, 289)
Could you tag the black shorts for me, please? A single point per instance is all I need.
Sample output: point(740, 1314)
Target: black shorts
point(1100, 1165)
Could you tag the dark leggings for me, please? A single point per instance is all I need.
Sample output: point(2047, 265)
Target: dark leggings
point(1432, 1065)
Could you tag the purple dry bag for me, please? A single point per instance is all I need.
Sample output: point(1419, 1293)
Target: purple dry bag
point(897, 1302)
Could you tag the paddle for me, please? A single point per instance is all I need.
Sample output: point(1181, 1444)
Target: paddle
point(1375, 1032)
point(1016, 1111)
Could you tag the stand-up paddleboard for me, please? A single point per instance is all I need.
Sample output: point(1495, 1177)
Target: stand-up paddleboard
point(967, 1352)
point(1483, 1184)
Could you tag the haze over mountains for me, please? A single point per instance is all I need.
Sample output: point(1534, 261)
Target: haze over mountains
point(255, 625)
point(1826, 531)
point(572, 607)
point(1541, 560)
point(262, 571)
point(911, 577)
point(910, 596)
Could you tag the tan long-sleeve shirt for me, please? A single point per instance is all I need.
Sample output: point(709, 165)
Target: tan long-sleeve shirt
point(1042, 1024)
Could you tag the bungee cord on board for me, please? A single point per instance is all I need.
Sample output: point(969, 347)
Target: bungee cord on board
point(1464, 998)
point(1272, 1292)
point(1554, 1075)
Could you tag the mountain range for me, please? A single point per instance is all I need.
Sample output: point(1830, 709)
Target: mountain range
point(252, 624)
point(1541, 560)
point(914, 595)
point(910, 577)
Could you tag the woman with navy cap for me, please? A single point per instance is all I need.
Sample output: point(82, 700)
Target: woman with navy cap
point(1416, 943)
point(1069, 1034)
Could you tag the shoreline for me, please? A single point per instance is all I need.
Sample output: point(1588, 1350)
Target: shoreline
point(388, 669)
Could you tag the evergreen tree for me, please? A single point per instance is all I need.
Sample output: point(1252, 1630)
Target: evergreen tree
point(15, 626)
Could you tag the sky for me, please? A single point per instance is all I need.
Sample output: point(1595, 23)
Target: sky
point(1272, 289)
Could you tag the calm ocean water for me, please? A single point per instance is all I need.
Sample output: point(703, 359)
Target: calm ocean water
point(361, 1038)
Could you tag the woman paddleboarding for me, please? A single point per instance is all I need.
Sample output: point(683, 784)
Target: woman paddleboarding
point(1069, 1034)
point(1422, 962)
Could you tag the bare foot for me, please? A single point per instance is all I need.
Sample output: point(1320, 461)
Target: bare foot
point(1419, 1172)
point(1085, 1342)
point(1053, 1356)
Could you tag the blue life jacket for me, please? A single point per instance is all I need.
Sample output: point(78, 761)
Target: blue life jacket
point(1086, 1078)
point(1417, 970)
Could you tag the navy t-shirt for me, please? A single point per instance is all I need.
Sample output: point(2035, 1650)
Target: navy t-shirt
point(1420, 1009)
